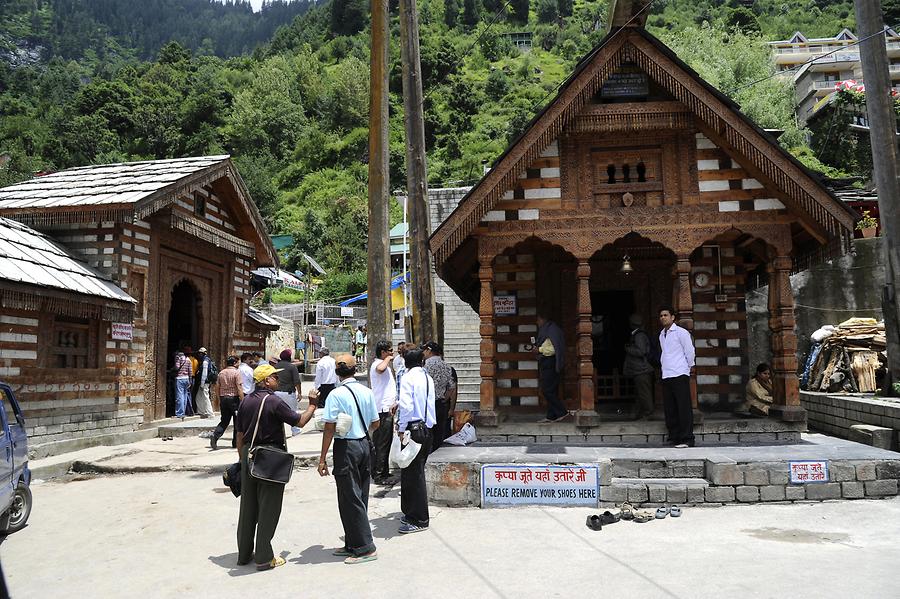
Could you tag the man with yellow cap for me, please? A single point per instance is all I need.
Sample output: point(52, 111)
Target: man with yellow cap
point(261, 500)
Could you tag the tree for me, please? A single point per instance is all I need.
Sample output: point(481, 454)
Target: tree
point(565, 8)
point(519, 12)
point(547, 11)
point(471, 13)
point(451, 13)
point(497, 85)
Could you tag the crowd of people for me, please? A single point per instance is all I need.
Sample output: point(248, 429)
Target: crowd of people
point(410, 390)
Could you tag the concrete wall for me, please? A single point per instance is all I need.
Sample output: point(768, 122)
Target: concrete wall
point(829, 293)
point(835, 414)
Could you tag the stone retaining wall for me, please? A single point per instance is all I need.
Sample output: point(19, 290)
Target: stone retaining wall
point(691, 482)
point(835, 414)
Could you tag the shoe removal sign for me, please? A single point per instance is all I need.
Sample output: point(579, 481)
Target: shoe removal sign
point(507, 484)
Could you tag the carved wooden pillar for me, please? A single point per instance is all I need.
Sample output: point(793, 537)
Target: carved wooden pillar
point(786, 392)
point(586, 414)
point(488, 409)
point(684, 305)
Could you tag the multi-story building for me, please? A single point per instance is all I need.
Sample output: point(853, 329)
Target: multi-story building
point(818, 64)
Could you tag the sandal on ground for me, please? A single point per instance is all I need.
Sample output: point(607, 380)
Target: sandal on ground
point(642, 516)
point(662, 512)
point(276, 561)
point(361, 559)
point(594, 522)
point(675, 511)
point(608, 517)
point(627, 511)
point(341, 552)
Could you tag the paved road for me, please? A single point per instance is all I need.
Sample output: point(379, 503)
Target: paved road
point(172, 535)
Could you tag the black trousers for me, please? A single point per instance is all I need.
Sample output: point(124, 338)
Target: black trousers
point(352, 477)
point(260, 511)
point(441, 428)
point(677, 404)
point(413, 492)
point(549, 381)
point(643, 390)
point(228, 405)
point(324, 390)
point(382, 438)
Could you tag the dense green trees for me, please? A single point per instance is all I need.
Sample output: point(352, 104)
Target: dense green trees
point(293, 113)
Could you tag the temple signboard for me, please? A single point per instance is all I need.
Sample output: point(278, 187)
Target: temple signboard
point(505, 484)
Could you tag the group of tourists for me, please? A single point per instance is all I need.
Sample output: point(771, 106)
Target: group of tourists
point(412, 390)
point(194, 373)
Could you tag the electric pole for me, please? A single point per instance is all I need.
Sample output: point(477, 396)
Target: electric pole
point(379, 254)
point(424, 325)
point(883, 138)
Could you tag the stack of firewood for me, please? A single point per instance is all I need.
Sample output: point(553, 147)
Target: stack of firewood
point(847, 358)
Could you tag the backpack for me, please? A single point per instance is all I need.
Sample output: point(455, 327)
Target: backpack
point(212, 373)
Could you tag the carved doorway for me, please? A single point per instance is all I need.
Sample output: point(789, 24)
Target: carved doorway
point(184, 329)
point(633, 275)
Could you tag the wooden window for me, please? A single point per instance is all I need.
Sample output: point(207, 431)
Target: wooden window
point(73, 343)
point(200, 204)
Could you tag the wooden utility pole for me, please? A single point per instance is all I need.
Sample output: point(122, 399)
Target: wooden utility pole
point(379, 251)
point(883, 138)
point(424, 325)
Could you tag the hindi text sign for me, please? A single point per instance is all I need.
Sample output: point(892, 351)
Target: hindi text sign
point(503, 484)
point(808, 471)
point(122, 331)
point(505, 305)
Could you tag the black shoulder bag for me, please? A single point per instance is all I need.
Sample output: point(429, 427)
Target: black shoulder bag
point(418, 431)
point(366, 429)
point(269, 463)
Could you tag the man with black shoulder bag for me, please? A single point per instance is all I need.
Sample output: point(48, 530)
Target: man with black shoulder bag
point(416, 414)
point(354, 456)
point(265, 466)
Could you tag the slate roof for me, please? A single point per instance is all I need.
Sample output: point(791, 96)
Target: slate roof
point(100, 185)
point(32, 258)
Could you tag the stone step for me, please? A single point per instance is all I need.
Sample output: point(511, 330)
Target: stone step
point(656, 491)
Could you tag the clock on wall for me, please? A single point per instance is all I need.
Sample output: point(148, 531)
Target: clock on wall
point(702, 279)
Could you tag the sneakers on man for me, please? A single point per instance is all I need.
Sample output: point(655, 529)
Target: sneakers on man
point(406, 529)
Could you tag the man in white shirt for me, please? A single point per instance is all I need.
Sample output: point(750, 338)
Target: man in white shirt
point(246, 370)
point(326, 378)
point(416, 404)
point(677, 359)
point(381, 379)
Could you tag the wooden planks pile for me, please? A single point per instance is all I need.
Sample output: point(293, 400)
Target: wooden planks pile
point(849, 357)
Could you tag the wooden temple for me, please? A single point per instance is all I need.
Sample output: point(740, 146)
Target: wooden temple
point(639, 185)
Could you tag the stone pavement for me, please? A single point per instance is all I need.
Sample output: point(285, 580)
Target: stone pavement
point(165, 535)
point(188, 453)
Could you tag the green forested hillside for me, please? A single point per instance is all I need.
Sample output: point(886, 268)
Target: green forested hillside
point(293, 112)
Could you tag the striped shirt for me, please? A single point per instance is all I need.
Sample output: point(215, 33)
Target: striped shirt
point(183, 366)
point(229, 381)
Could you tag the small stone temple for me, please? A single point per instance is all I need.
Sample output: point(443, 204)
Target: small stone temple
point(638, 185)
point(113, 269)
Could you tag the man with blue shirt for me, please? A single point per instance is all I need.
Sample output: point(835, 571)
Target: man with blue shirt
point(351, 459)
point(677, 359)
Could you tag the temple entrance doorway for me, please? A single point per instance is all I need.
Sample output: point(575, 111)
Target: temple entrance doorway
point(632, 276)
point(183, 330)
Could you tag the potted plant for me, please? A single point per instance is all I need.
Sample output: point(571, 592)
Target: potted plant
point(867, 225)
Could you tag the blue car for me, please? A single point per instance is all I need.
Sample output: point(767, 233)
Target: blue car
point(15, 477)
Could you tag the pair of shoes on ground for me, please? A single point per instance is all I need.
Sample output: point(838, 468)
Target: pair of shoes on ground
point(663, 511)
point(596, 522)
point(354, 559)
point(167, 438)
point(628, 512)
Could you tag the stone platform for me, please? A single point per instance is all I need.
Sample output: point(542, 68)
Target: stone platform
point(712, 430)
point(710, 475)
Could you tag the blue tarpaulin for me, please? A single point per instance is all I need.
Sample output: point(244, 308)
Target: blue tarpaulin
point(395, 283)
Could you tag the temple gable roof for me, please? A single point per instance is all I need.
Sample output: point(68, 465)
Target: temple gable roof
point(823, 217)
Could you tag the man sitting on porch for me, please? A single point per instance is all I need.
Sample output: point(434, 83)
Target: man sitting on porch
point(551, 349)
